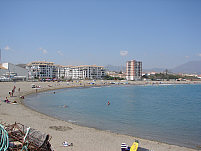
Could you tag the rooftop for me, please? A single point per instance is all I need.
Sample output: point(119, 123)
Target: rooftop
point(40, 63)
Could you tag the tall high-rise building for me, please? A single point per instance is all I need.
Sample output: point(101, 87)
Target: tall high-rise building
point(133, 70)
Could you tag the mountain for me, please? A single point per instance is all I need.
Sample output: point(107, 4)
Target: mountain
point(189, 67)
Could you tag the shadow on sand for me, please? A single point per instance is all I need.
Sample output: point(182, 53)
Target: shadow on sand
point(142, 149)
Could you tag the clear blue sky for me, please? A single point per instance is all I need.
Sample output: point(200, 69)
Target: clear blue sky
point(160, 33)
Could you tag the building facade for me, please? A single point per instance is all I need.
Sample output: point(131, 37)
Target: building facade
point(13, 72)
point(85, 72)
point(42, 69)
point(64, 72)
point(133, 70)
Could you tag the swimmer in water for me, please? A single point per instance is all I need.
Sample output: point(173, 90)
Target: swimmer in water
point(108, 103)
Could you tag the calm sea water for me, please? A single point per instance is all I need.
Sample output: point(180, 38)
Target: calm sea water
point(166, 113)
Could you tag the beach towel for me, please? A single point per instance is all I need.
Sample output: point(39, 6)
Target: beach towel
point(134, 147)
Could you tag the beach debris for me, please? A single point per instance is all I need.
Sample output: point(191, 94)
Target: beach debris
point(25, 138)
point(65, 144)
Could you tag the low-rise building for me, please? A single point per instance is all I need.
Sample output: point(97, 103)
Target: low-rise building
point(116, 74)
point(13, 72)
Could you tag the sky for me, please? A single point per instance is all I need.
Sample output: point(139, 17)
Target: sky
point(160, 33)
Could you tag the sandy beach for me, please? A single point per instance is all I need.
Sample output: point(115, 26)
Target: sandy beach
point(83, 138)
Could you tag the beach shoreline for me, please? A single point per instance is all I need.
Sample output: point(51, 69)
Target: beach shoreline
point(83, 138)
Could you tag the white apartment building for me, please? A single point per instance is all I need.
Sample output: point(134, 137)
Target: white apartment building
point(42, 69)
point(88, 72)
point(133, 70)
point(64, 72)
point(82, 72)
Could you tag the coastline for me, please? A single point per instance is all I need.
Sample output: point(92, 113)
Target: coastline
point(83, 138)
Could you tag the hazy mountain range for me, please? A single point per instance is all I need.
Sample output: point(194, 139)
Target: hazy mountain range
point(189, 67)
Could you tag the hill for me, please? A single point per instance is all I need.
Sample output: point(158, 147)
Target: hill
point(189, 67)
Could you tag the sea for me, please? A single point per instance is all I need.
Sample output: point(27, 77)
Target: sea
point(164, 113)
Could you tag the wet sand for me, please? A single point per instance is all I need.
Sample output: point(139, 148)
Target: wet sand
point(83, 138)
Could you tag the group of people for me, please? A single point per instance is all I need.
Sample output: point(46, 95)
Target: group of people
point(11, 93)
